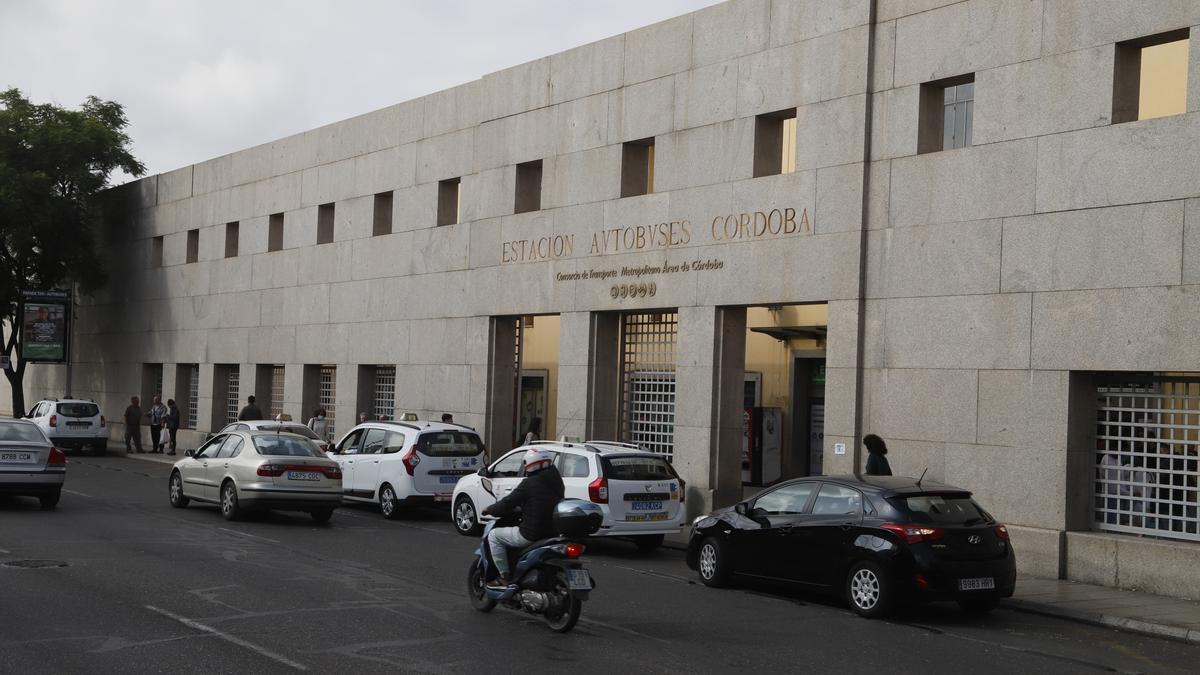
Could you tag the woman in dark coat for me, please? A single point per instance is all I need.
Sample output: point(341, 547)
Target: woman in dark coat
point(877, 464)
point(172, 422)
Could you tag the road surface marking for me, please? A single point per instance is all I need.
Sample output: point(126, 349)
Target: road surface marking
point(243, 534)
point(72, 492)
point(196, 625)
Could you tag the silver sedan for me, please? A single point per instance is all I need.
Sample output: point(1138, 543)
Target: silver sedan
point(29, 463)
point(248, 469)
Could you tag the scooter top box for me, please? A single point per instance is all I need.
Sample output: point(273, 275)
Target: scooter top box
point(577, 518)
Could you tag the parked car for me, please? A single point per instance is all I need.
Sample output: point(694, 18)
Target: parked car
point(29, 464)
point(271, 425)
point(639, 492)
point(877, 540)
point(398, 464)
point(73, 424)
point(248, 469)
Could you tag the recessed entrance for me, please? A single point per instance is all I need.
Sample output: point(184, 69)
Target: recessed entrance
point(522, 380)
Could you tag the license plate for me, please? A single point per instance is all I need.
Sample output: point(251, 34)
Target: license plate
point(79, 424)
point(448, 479)
point(16, 457)
point(977, 584)
point(579, 580)
point(304, 475)
point(441, 498)
point(647, 506)
point(642, 517)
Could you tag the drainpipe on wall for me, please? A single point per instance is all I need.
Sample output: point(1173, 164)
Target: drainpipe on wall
point(859, 375)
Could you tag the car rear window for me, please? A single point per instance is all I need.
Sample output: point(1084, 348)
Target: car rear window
point(957, 509)
point(78, 409)
point(21, 432)
point(449, 444)
point(638, 468)
point(285, 446)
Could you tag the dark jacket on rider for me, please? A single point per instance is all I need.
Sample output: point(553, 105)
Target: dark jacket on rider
point(537, 496)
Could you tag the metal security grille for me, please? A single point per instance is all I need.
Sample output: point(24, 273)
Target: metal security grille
point(1146, 463)
point(158, 380)
point(233, 385)
point(327, 396)
point(276, 391)
point(648, 381)
point(193, 412)
point(519, 328)
point(385, 393)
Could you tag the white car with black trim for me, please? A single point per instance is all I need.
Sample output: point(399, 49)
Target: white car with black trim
point(397, 464)
point(71, 424)
point(640, 493)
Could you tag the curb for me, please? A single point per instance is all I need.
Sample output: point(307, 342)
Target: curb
point(155, 458)
point(1149, 628)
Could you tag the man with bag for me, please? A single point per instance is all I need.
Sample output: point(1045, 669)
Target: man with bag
point(157, 415)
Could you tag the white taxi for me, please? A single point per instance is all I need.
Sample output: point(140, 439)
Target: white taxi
point(640, 493)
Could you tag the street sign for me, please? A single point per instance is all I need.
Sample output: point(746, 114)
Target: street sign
point(5, 363)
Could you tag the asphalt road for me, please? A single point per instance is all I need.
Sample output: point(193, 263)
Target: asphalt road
point(148, 588)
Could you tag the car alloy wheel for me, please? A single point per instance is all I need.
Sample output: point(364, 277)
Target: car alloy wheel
point(229, 502)
point(864, 589)
point(711, 563)
point(708, 561)
point(178, 500)
point(387, 502)
point(464, 516)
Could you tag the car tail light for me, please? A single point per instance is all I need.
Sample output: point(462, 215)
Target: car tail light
point(598, 490)
point(57, 458)
point(1001, 532)
point(914, 534)
point(922, 582)
point(575, 550)
point(682, 491)
point(54, 420)
point(334, 472)
point(103, 423)
point(271, 470)
point(411, 460)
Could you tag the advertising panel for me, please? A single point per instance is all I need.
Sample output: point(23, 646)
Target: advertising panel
point(44, 328)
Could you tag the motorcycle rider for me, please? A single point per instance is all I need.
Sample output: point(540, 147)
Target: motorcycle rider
point(537, 496)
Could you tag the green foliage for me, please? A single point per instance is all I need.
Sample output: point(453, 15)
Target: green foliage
point(53, 161)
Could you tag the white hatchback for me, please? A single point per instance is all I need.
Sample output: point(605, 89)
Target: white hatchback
point(398, 464)
point(640, 493)
point(71, 424)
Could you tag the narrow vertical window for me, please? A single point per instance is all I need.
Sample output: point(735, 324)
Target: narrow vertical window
point(1150, 77)
point(231, 239)
point(381, 218)
point(637, 168)
point(193, 245)
point(449, 201)
point(529, 187)
point(775, 143)
point(946, 111)
point(275, 232)
point(156, 252)
point(325, 224)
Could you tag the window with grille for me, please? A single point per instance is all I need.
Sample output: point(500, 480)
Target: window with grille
point(327, 396)
point(648, 381)
point(1146, 460)
point(233, 384)
point(193, 411)
point(384, 405)
point(276, 391)
point(158, 380)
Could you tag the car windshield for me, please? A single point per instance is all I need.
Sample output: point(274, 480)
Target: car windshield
point(638, 468)
point(950, 509)
point(298, 429)
point(78, 409)
point(450, 444)
point(284, 446)
point(14, 432)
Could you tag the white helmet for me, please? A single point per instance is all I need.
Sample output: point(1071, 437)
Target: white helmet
point(537, 459)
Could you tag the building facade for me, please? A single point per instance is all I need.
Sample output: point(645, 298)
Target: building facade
point(971, 227)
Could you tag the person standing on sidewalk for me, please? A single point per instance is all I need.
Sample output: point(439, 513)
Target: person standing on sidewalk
point(133, 424)
point(172, 422)
point(877, 464)
point(251, 412)
point(157, 415)
point(319, 424)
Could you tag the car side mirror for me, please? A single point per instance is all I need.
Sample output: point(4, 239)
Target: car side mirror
point(483, 471)
point(740, 508)
point(189, 453)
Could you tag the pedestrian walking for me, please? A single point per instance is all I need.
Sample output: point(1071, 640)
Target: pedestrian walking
point(877, 464)
point(251, 411)
point(133, 424)
point(157, 415)
point(172, 422)
point(319, 424)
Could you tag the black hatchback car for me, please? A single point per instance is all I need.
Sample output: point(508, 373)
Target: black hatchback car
point(877, 540)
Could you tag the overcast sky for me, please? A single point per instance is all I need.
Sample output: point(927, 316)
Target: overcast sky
point(201, 78)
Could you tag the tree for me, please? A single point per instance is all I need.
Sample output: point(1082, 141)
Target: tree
point(53, 162)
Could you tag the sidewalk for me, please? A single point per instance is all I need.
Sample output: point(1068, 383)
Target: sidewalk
point(1100, 605)
point(164, 458)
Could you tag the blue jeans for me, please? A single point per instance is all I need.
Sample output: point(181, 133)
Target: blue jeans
point(499, 539)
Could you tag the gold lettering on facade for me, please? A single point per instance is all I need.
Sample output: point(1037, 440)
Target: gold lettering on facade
point(760, 224)
point(542, 248)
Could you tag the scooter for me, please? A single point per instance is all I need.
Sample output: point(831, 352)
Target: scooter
point(548, 577)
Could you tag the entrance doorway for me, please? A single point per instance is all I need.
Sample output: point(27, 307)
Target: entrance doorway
point(536, 393)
